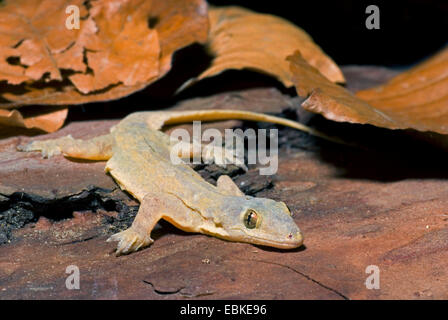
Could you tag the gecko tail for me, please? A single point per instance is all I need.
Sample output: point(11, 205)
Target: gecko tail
point(227, 114)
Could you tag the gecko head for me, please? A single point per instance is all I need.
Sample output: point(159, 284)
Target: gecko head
point(260, 221)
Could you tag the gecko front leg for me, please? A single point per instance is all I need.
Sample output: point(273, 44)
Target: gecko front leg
point(226, 185)
point(98, 148)
point(153, 207)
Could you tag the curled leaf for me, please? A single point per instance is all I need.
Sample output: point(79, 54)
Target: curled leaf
point(417, 99)
point(240, 38)
point(179, 23)
point(327, 98)
point(46, 120)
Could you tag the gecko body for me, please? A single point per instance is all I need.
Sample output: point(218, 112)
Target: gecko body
point(138, 158)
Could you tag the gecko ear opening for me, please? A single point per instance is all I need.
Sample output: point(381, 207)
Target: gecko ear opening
point(289, 210)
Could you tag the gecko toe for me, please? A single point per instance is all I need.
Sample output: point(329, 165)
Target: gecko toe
point(47, 148)
point(128, 246)
point(129, 241)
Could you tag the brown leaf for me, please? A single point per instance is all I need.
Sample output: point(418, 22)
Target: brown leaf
point(417, 99)
point(124, 50)
point(11, 73)
point(240, 38)
point(36, 30)
point(179, 23)
point(327, 98)
point(63, 94)
point(124, 55)
point(47, 120)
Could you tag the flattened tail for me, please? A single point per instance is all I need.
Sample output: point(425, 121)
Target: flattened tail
point(226, 114)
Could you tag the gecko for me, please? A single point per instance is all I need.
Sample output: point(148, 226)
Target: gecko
point(137, 152)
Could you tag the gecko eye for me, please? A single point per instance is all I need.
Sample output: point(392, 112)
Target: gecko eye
point(250, 219)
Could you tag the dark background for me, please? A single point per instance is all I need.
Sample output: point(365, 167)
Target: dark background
point(409, 30)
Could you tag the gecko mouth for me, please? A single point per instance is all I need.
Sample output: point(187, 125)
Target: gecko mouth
point(290, 242)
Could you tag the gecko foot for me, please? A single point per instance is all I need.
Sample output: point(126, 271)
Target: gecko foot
point(222, 156)
point(130, 241)
point(48, 148)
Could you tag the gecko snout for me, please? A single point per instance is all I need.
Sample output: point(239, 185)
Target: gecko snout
point(295, 238)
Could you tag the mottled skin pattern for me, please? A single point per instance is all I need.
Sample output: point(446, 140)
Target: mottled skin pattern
point(138, 158)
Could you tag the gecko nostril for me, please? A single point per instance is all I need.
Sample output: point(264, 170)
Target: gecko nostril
point(290, 236)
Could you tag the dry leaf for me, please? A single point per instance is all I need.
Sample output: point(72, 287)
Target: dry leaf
point(327, 98)
point(34, 32)
point(240, 38)
point(124, 55)
point(47, 120)
point(179, 23)
point(124, 50)
point(417, 99)
point(11, 73)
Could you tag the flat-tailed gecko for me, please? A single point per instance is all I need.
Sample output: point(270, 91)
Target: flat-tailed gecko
point(138, 158)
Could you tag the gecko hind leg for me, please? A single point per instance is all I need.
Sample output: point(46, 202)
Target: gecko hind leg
point(209, 153)
point(98, 148)
point(154, 207)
